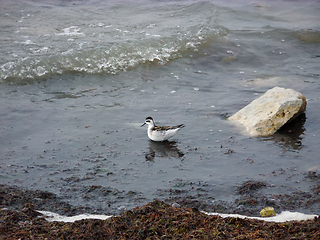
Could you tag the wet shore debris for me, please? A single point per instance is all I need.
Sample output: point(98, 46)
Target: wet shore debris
point(155, 220)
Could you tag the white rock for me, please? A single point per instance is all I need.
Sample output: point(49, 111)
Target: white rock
point(265, 115)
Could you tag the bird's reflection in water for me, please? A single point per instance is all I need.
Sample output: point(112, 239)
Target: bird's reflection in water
point(163, 149)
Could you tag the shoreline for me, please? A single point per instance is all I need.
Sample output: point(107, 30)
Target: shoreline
point(155, 220)
point(249, 201)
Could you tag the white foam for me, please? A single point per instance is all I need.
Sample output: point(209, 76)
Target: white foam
point(59, 218)
point(71, 31)
point(282, 217)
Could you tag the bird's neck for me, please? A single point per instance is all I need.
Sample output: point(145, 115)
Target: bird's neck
point(151, 126)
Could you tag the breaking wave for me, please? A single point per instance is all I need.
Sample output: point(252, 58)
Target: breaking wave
point(95, 48)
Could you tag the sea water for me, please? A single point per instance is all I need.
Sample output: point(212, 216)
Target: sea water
point(78, 78)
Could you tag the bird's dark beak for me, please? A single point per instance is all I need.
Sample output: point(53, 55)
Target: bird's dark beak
point(143, 124)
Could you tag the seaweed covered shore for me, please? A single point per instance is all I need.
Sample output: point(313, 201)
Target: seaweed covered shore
point(155, 220)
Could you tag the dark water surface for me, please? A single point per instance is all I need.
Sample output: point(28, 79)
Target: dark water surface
point(79, 78)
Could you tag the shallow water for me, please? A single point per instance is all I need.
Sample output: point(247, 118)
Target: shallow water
point(79, 78)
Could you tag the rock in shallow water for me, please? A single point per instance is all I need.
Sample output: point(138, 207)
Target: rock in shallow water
point(267, 114)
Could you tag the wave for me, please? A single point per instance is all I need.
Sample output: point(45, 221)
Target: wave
point(121, 47)
point(119, 57)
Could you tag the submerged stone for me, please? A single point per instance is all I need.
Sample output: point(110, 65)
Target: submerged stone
point(267, 114)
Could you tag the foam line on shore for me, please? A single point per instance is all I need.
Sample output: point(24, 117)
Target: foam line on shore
point(51, 217)
point(282, 217)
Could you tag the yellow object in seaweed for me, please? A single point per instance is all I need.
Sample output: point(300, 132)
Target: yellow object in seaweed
point(267, 212)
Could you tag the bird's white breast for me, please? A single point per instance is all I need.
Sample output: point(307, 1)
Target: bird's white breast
point(161, 135)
